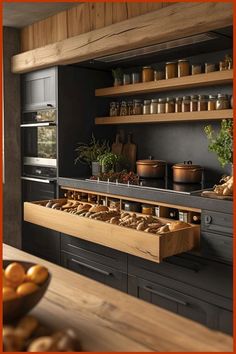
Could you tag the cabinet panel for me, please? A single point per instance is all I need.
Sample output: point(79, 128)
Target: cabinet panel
point(37, 190)
point(94, 270)
point(217, 222)
point(217, 247)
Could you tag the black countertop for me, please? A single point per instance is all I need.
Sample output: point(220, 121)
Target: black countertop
point(189, 200)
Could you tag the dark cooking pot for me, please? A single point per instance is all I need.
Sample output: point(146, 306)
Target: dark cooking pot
point(187, 172)
point(151, 168)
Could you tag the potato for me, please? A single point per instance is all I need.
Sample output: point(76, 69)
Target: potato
point(37, 274)
point(8, 293)
point(15, 273)
point(26, 288)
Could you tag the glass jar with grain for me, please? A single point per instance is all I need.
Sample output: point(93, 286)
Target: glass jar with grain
point(212, 102)
point(183, 67)
point(159, 75)
point(113, 109)
point(147, 74)
point(153, 107)
point(209, 67)
point(222, 101)
point(178, 104)
point(137, 107)
point(126, 79)
point(170, 105)
point(130, 108)
point(123, 109)
point(146, 106)
point(196, 69)
point(171, 70)
point(186, 104)
point(194, 103)
point(202, 102)
point(161, 105)
point(135, 78)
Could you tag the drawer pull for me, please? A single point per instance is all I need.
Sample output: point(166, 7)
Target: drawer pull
point(168, 297)
point(208, 219)
point(85, 265)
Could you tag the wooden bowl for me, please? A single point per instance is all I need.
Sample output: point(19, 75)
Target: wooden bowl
point(16, 308)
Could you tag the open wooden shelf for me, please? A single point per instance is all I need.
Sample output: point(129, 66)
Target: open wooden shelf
point(166, 117)
point(200, 80)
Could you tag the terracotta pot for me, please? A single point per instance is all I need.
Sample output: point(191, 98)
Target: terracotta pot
point(151, 168)
point(187, 173)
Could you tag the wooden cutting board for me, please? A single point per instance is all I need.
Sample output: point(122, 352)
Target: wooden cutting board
point(130, 152)
point(117, 146)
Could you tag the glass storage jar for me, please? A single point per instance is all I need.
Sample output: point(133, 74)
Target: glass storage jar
point(123, 109)
point(130, 108)
point(161, 105)
point(183, 67)
point(186, 104)
point(194, 103)
point(178, 104)
point(170, 105)
point(209, 67)
point(135, 78)
point(202, 103)
point(211, 106)
point(113, 109)
point(159, 75)
point(222, 101)
point(146, 106)
point(153, 107)
point(137, 107)
point(126, 79)
point(117, 108)
point(171, 70)
point(147, 74)
point(196, 69)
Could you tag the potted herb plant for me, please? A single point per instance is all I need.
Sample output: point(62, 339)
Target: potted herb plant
point(90, 153)
point(222, 142)
point(117, 76)
point(111, 162)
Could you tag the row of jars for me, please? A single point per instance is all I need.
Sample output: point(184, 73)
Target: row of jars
point(175, 69)
point(171, 105)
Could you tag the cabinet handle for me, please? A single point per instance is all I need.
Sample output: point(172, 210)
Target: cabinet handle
point(168, 297)
point(85, 265)
point(38, 180)
point(35, 125)
point(49, 105)
point(208, 219)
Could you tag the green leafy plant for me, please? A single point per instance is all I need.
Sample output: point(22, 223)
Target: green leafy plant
point(88, 153)
point(222, 142)
point(111, 162)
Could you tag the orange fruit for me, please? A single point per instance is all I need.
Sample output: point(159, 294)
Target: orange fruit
point(26, 288)
point(37, 274)
point(15, 273)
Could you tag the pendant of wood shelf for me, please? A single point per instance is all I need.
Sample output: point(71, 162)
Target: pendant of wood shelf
point(191, 81)
point(166, 117)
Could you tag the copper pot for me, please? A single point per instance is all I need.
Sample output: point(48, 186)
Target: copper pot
point(187, 172)
point(151, 168)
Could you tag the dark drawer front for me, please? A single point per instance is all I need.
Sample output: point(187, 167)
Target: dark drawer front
point(217, 247)
point(217, 222)
point(200, 273)
point(93, 252)
point(190, 307)
point(41, 242)
point(96, 271)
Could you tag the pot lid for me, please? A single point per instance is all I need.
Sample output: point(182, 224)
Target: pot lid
point(186, 165)
point(150, 162)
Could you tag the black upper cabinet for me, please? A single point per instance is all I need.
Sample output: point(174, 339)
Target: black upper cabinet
point(39, 89)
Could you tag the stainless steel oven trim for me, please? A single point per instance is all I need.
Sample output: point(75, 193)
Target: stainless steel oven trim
point(38, 180)
point(35, 125)
point(40, 161)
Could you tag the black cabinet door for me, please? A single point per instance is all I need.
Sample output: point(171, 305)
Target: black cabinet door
point(34, 191)
point(217, 222)
point(96, 271)
point(39, 89)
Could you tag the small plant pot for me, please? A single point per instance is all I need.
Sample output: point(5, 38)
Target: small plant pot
point(96, 168)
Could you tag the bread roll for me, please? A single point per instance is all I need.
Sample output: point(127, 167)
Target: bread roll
point(178, 225)
point(84, 207)
point(98, 208)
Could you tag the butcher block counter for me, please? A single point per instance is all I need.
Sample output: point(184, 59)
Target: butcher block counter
point(109, 320)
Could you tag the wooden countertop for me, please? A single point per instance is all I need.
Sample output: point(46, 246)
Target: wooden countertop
point(109, 320)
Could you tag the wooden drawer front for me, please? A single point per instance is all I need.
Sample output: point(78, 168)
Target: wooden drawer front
point(96, 271)
point(202, 274)
point(187, 306)
point(145, 245)
point(94, 252)
point(217, 247)
point(217, 222)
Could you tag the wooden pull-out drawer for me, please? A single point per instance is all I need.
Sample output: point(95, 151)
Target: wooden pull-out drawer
point(153, 247)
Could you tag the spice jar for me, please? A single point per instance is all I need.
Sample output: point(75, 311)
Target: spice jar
point(194, 103)
point(147, 209)
point(170, 105)
point(157, 211)
point(212, 102)
point(183, 215)
point(146, 106)
point(161, 105)
point(113, 109)
point(209, 67)
point(178, 104)
point(222, 101)
point(130, 108)
point(126, 79)
point(147, 74)
point(123, 109)
point(137, 107)
point(153, 107)
point(171, 70)
point(135, 78)
point(159, 75)
point(183, 67)
point(202, 103)
point(196, 69)
point(117, 108)
point(186, 104)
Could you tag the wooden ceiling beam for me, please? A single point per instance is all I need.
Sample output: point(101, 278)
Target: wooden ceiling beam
point(176, 21)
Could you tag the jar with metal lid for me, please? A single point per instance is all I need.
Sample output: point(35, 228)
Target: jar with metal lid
point(178, 104)
point(171, 70)
point(196, 69)
point(137, 107)
point(161, 105)
point(153, 107)
point(194, 103)
point(147, 74)
point(123, 109)
point(130, 108)
point(146, 106)
point(183, 67)
point(159, 75)
point(147, 209)
point(117, 108)
point(170, 105)
point(135, 78)
point(222, 101)
point(183, 215)
point(211, 106)
point(126, 79)
point(113, 109)
point(186, 104)
point(209, 67)
point(202, 102)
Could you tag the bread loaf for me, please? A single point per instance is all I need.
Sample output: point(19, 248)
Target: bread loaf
point(98, 208)
point(178, 225)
